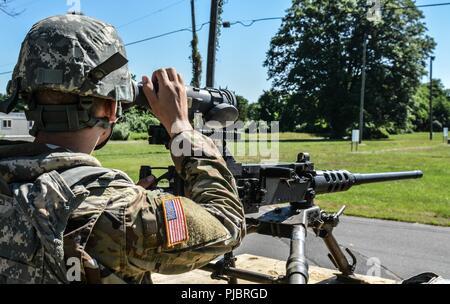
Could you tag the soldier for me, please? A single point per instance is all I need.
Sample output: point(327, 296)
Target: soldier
point(59, 206)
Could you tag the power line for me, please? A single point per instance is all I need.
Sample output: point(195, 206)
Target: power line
point(152, 38)
point(245, 23)
point(152, 13)
point(7, 64)
point(429, 5)
point(167, 34)
point(227, 24)
point(248, 23)
point(29, 3)
point(417, 6)
point(6, 9)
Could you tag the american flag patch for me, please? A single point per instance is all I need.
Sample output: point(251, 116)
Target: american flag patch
point(175, 221)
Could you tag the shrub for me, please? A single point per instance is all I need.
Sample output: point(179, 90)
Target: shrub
point(437, 125)
point(138, 120)
point(373, 132)
point(121, 132)
point(138, 136)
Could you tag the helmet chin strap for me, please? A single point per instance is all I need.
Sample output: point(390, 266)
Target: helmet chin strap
point(105, 142)
point(112, 125)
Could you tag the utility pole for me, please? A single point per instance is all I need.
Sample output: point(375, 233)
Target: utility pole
point(431, 97)
point(194, 25)
point(212, 44)
point(196, 60)
point(363, 90)
point(374, 15)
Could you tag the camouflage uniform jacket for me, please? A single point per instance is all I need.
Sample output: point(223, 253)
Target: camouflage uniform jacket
point(119, 230)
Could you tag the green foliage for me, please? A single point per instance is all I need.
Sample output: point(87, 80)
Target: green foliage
point(138, 136)
point(316, 58)
point(196, 60)
point(243, 107)
point(254, 110)
point(276, 106)
point(220, 5)
point(121, 132)
point(419, 112)
point(374, 132)
point(139, 120)
point(20, 107)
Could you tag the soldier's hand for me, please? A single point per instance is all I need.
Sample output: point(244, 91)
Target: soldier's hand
point(167, 97)
point(148, 182)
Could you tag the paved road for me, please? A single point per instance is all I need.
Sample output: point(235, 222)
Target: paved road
point(403, 249)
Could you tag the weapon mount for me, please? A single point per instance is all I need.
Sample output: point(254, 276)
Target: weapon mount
point(279, 201)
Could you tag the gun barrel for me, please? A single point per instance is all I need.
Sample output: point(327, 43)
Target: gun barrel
point(340, 180)
point(361, 179)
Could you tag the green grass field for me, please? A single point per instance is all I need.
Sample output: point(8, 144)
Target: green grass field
point(424, 201)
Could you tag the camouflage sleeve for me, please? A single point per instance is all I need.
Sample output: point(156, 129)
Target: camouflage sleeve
point(214, 214)
point(208, 182)
point(213, 218)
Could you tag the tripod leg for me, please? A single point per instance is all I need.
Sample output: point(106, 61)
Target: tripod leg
point(338, 256)
point(297, 266)
point(231, 260)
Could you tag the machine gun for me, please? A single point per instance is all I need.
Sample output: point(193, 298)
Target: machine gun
point(279, 201)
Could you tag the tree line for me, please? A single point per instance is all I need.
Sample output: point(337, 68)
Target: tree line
point(272, 106)
point(315, 59)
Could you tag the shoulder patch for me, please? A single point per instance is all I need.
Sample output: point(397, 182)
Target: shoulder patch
point(175, 222)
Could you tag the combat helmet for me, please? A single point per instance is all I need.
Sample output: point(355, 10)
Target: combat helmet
point(73, 54)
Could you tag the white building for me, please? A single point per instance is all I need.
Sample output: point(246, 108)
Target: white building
point(14, 126)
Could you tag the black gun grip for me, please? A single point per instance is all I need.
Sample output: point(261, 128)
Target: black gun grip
point(145, 172)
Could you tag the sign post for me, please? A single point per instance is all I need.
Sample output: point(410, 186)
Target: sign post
point(355, 139)
point(374, 15)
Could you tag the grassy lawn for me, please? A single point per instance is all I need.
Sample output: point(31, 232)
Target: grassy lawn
point(424, 201)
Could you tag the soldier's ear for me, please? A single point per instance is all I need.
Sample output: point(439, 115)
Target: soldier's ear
point(113, 107)
point(106, 109)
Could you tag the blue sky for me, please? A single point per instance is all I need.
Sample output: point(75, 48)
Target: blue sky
point(242, 51)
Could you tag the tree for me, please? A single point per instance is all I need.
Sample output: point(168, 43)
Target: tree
point(419, 110)
point(20, 107)
point(270, 106)
point(253, 111)
point(138, 120)
point(243, 107)
point(316, 56)
point(275, 106)
point(419, 113)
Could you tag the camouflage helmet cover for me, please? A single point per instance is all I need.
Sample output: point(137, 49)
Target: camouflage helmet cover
point(60, 52)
